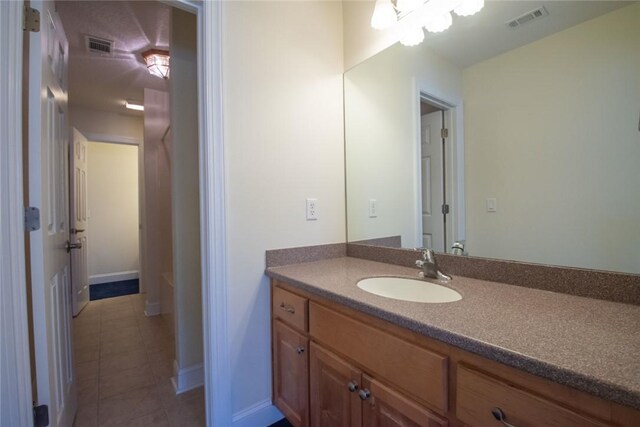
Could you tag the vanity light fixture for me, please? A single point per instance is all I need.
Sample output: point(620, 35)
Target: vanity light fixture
point(157, 62)
point(134, 105)
point(432, 15)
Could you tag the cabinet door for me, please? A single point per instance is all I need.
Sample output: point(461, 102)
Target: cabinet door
point(334, 391)
point(384, 407)
point(291, 374)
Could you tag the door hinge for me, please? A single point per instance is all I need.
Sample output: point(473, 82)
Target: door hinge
point(445, 209)
point(31, 218)
point(31, 21)
point(444, 133)
point(40, 416)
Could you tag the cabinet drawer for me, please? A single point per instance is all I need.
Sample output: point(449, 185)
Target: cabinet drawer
point(416, 371)
point(290, 308)
point(479, 394)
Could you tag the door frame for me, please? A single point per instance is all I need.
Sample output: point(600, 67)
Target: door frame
point(142, 243)
point(16, 404)
point(454, 159)
point(13, 306)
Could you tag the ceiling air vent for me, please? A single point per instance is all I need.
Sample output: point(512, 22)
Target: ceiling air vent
point(527, 17)
point(99, 46)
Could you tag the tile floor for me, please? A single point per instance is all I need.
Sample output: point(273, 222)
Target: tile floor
point(124, 362)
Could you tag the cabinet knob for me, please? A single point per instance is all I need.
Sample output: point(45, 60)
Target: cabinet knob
point(500, 416)
point(364, 394)
point(353, 386)
point(299, 350)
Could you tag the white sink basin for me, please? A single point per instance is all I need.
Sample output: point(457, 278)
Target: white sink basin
point(405, 289)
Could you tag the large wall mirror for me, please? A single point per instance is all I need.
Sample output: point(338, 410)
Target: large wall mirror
point(513, 143)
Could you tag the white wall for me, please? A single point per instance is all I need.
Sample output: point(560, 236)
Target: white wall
point(112, 186)
point(185, 183)
point(283, 130)
point(550, 128)
point(382, 132)
point(96, 122)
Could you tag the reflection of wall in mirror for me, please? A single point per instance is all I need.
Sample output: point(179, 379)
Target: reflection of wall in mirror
point(551, 132)
point(382, 129)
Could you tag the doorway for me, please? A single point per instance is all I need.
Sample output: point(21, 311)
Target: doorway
point(434, 177)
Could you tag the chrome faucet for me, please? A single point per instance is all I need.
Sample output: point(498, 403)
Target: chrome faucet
point(429, 266)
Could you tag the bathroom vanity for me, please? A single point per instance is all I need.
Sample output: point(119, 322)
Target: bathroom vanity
point(345, 357)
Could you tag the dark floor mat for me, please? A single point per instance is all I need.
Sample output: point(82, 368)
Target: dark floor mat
point(113, 289)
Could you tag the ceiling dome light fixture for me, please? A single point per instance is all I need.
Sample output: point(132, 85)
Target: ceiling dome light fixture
point(434, 15)
point(157, 62)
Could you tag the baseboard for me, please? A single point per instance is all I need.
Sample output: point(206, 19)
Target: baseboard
point(187, 378)
point(263, 413)
point(151, 308)
point(119, 276)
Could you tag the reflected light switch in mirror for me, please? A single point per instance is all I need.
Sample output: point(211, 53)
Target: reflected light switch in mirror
point(373, 208)
point(492, 205)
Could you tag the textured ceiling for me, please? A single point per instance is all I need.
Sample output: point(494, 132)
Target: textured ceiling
point(104, 82)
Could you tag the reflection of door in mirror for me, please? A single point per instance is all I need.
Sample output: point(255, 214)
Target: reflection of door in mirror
point(432, 180)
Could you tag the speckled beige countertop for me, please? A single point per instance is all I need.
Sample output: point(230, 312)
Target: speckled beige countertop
point(591, 345)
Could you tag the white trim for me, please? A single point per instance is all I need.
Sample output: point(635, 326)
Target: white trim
point(217, 364)
point(188, 378)
point(263, 413)
point(97, 279)
point(112, 139)
point(152, 308)
point(456, 230)
point(16, 396)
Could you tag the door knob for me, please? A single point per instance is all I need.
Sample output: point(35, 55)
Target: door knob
point(500, 416)
point(70, 246)
point(76, 230)
point(352, 386)
point(299, 350)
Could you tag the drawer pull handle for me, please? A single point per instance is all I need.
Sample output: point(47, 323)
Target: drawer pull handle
point(288, 308)
point(352, 386)
point(500, 416)
point(364, 394)
point(299, 350)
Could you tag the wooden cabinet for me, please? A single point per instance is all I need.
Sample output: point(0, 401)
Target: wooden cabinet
point(483, 398)
point(384, 407)
point(291, 373)
point(337, 367)
point(334, 390)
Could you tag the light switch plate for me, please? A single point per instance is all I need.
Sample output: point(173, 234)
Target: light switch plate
point(492, 205)
point(312, 209)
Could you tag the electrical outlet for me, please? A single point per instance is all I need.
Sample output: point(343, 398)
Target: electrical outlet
point(373, 208)
point(312, 209)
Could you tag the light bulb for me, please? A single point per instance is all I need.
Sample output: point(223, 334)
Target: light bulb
point(439, 22)
point(469, 7)
point(384, 15)
point(413, 37)
point(405, 6)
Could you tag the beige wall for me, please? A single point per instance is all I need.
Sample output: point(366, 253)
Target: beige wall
point(283, 130)
point(156, 230)
point(96, 122)
point(550, 128)
point(185, 183)
point(112, 186)
point(360, 40)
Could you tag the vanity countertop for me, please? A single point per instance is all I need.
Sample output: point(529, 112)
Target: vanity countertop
point(591, 345)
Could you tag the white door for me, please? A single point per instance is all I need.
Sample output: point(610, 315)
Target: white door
point(432, 181)
point(78, 220)
point(48, 191)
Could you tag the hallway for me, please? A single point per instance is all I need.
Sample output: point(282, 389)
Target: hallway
point(124, 364)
